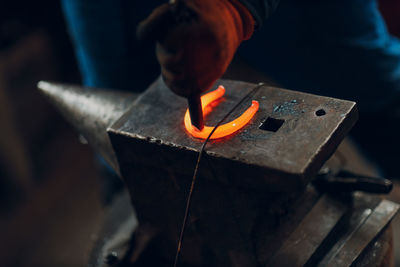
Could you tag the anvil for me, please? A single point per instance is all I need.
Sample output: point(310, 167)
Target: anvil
point(246, 181)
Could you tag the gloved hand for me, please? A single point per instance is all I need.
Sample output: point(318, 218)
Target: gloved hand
point(196, 40)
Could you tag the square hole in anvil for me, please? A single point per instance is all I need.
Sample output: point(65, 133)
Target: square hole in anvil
point(271, 124)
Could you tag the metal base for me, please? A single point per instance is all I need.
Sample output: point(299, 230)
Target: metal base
point(334, 232)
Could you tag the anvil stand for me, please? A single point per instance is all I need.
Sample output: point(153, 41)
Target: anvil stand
point(254, 205)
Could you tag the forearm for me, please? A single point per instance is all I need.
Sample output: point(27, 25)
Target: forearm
point(260, 9)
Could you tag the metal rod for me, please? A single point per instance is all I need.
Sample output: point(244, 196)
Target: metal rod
point(196, 112)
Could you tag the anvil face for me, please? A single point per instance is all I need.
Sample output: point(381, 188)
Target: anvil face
point(235, 218)
point(284, 145)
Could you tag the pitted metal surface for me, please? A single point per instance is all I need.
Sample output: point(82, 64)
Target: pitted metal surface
point(283, 158)
point(91, 111)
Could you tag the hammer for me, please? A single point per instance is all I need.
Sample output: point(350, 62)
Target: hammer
point(194, 101)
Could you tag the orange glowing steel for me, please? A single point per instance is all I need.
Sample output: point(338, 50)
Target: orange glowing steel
point(225, 129)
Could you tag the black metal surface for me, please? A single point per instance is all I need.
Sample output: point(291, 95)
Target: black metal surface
point(345, 181)
point(237, 218)
point(362, 206)
point(313, 230)
point(349, 231)
point(196, 112)
point(239, 173)
point(91, 111)
point(284, 160)
point(114, 230)
point(363, 236)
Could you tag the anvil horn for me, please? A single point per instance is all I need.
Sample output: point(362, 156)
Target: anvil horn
point(91, 111)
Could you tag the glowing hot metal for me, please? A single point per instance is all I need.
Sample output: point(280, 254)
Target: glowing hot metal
point(225, 129)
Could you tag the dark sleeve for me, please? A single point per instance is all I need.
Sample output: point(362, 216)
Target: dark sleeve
point(260, 9)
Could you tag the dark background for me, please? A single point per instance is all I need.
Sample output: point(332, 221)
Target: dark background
point(50, 205)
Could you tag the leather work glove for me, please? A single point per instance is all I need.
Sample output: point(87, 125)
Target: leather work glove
point(196, 40)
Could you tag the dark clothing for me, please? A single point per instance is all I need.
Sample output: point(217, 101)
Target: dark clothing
point(103, 32)
point(260, 9)
point(338, 48)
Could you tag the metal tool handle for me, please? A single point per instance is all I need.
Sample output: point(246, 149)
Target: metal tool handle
point(348, 182)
